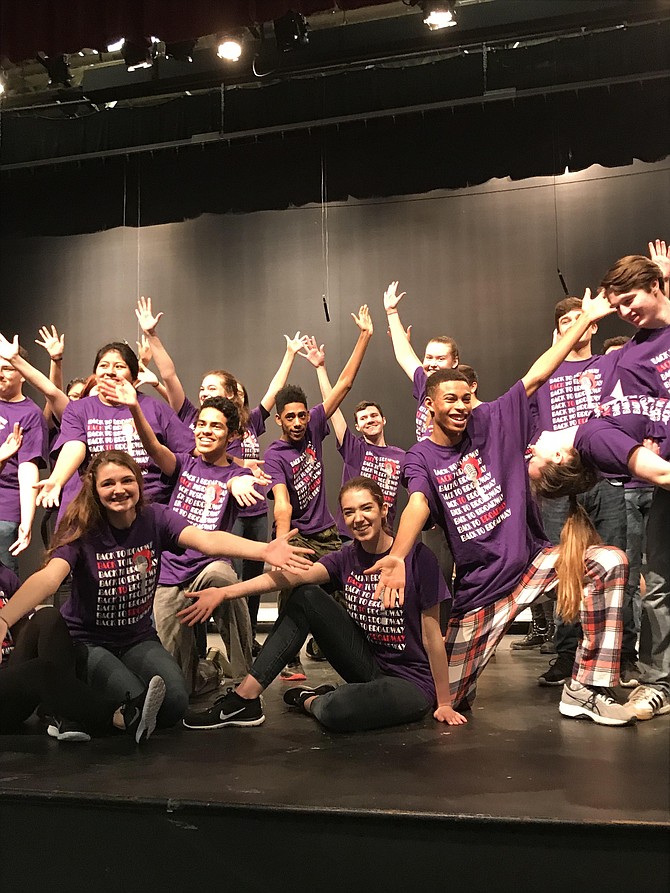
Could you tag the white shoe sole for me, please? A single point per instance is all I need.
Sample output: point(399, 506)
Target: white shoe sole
point(52, 732)
point(224, 725)
point(152, 704)
point(574, 711)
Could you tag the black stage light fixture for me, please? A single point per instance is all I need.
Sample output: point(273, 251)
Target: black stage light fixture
point(438, 14)
point(182, 51)
point(291, 31)
point(136, 54)
point(57, 69)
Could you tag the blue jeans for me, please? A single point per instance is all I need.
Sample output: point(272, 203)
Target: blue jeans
point(254, 528)
point(8, 532)
point(126, 673)
point(606, 507)
point(638, 506)
point(655, 626)
point(372, 699)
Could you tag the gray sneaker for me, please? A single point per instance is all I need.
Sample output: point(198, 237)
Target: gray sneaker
point(598, 704)
point(647, 702)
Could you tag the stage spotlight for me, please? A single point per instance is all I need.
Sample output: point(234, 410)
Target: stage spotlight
point(2, 87)
point(136, 55)
point(231, 50)
point(291, 31)
point(438, 14)
point(113, 47)
point(181, 51)
point(57, 69)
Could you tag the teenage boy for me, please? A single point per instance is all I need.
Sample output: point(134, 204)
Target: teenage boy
point(20, 473)
point(295, 467)
point(368, 455)
point(471, 476)
point(636, 287)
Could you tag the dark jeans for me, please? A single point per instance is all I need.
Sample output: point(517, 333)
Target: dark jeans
point(372, 699)
point(254, 528)
point(8, 532)
point(638, 506)
point(41, 673)
point(655, 627)
point(606, 507)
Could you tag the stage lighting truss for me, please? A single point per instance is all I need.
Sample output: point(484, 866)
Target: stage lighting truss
point(57, 68)
point(291, 32)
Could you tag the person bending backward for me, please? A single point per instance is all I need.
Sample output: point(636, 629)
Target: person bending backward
point(112, 541)
point(368, 455)
point(393, 659)
point(471, 475)
point(566, 399)
point(441, 353)
point(91, 425)
point(294, 464)
point(252, 520)
point(203, 485)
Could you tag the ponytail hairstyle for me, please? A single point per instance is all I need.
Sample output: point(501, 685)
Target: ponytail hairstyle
point(569, 477)
point(373, 488)
point(577, 535)
point(85, 513)
point(230, 385)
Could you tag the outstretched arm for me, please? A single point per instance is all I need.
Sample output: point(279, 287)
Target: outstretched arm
point(34, 591)
point(9, 350)
point(348, 374)
point(72, 454)
point(283, 511)
point(162, 358)
point(293, 345)
point(593, 309)
point(659, 253)
point(122, 393)
point(54, 344)
point(403, 350)
point(317, 357)
point(206, 600)
point(433, 642)
point(278, 552)
point(28, 477)
point(645, 464)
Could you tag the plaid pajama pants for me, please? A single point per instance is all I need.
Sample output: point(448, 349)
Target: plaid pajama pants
point(472, 639)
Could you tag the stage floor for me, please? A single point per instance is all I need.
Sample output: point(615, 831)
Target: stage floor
point(517, 758)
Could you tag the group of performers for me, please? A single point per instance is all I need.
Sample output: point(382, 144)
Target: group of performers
point(161, 523)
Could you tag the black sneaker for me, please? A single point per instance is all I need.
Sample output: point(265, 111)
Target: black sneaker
point(139, 714)
point(293, 672)
point(255, 648)
point(533, 639)
point(229, 710)
point(558, 672)
point(630, 674)
point(66, 730)
point(313, 651)
point(296, 697)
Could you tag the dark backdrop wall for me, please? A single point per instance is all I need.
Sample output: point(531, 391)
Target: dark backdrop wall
point(478, 264)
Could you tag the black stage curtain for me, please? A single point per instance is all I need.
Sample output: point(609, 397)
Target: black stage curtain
point(410, 154)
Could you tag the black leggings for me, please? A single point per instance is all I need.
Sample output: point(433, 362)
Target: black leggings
point(373, 699)
point(40, 673)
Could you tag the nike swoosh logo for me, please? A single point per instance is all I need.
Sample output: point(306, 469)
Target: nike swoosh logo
point(224, 716)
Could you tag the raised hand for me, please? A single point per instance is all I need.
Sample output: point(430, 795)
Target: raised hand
point(295, 344)
point(363, 320)
point(391, 587)
point(12, 443)
point(597, 307)
point(144, 351)
point(48, 494)
point(659, 253)
point(145, 316)
point(119, 392)
point(391, 298)
point(146, 376)
point(280, 554)
point(9, 350)
point(312, 352)
point(52, 342)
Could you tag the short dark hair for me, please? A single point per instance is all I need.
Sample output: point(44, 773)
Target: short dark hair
point(566, 306)
point(126, 351)
point(442, 375)
point(629, 273)
point(469, 372)
point(359, 407)
point(227, 408)
point(290, 393)
point(616, 341)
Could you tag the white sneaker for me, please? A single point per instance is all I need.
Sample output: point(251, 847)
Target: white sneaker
point(598, 704)
point(647, 702)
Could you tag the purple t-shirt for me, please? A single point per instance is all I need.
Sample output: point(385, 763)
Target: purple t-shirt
point(114, 575)
point(102, 427)
point(642, 366)
point(479, 493)
point(300, 468)
point(188, 413)
point(247, 447)
point(33, 449)
point(393, 633)
point(380, 463)
point(9, 583)
point(571, 394)
point(620, 426)
point(423, 422)
point(201, 497)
